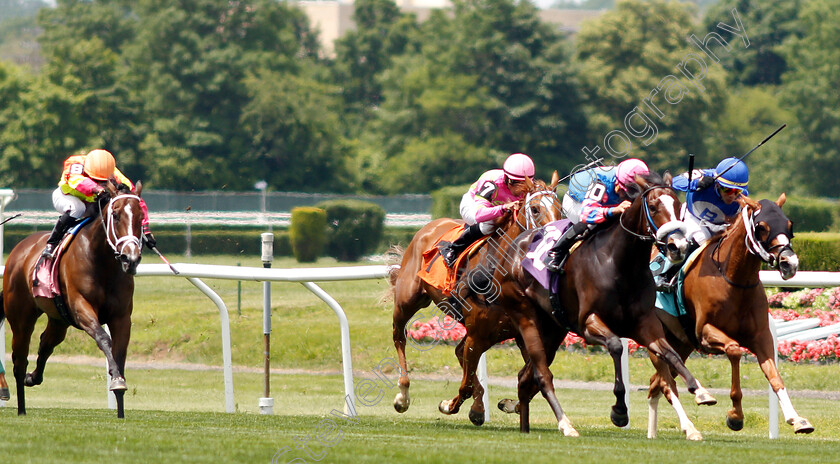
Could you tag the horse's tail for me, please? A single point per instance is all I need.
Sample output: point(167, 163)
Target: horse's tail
point(393, 257)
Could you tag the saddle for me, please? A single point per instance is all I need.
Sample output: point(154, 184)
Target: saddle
point(435, 272)
point(45, 276)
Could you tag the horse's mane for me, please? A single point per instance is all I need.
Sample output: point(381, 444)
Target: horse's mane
point(653, 179)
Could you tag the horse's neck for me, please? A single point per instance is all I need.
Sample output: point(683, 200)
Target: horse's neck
point(95, 234)
point(734, 252)
point(630, 246)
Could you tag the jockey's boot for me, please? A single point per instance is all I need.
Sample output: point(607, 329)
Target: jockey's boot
point(663, 275)
point(57, 233)
point(451, 252)
point(560, 251)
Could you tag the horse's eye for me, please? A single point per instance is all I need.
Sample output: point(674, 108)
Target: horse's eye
point(535, 210)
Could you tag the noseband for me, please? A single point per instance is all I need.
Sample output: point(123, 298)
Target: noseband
point(760, 249)
point(530, 218)
point(652, 233)
point(110, 228)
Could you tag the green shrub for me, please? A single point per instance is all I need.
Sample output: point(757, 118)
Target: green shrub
point(354, 228)
point(812, 214)
point(818, 251)
point(308, 233)
point(446, 202)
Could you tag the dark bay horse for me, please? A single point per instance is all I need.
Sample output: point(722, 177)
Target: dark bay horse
point(607, 292)
point(97, 289)
point(411, 294)
point(726, 302)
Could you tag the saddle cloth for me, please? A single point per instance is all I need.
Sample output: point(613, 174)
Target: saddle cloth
point(544, 239)
point(674, 303)
point(435, 272)
point(45, 275)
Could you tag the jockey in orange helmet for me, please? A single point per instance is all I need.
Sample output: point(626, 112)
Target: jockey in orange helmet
point(82, 181)
point(491, 196)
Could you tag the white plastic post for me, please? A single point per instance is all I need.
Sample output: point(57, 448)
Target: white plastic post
point(772, 399)
point(2, 347)
point(266, 403)
point(625, 376)
point(485, 382)
point(6, 196)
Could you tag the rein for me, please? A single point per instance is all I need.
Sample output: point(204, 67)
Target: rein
point(530, 218)
point(110, 228)
point(755, 247)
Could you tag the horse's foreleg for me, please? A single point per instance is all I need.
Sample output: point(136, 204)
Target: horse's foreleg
point(120, 336)
point(598, 332)
point(764, 353)
point(88, 321)
point(21, 335)
point(668, 386)
point(714, 340)
point(542, 375)
point(664, 352)
point(53, 334)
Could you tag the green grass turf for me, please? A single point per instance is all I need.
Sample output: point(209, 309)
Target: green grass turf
point(175, 416)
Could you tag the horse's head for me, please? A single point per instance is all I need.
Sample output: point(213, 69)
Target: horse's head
point(657, 206)
point(122, 219)
point(541, 205)
point(769, 233)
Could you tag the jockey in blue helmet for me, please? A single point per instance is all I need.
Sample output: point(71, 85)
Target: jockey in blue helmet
point(709, 201)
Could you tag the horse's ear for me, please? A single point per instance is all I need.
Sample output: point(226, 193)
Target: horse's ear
point(111, 187)
point(641, 182)
point(781, 200)
point(555, 179)
point(667, 178)
point(138, 187)
point(749, 202)
point(530, 184)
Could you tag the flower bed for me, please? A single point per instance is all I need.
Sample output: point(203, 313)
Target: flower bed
point(821, 303)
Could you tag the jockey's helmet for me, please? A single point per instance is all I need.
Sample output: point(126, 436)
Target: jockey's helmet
point(626, 171)
point(733, 173)
point(518, 166)
point(99, 164)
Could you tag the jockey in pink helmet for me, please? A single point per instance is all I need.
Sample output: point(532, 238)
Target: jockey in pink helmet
point(490, 197)
point(594, 196)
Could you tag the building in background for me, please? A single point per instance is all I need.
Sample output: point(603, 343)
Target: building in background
point(334, 18)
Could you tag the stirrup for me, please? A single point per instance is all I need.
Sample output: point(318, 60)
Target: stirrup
point(665, 285)
point(49, 251)
point(555, 264)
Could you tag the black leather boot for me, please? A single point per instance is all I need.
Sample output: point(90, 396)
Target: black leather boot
point(451, 252)
point(560, 251)
point(57, 233)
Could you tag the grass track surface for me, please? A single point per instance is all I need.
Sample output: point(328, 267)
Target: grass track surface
point(174, 416)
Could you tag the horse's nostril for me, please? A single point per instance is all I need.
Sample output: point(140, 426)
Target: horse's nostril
point(673, 248)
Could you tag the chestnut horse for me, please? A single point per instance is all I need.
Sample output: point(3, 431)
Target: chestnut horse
point(606, 292)
point(97, 289)
point(726, 303)
point(411, 293)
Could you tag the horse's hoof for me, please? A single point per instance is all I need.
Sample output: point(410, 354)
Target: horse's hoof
point(443, 407)
point(693, 435)
point(734, 424)
point(30, 381)
point(705, 399)
point(619, 419)
point(401, 403)
point(4, 394)
point(508, 406)
point(117, 384)
point(802, 425)
point(477, 417)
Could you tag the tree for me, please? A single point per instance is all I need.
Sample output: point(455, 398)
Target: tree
point(645, 95)
point(810, 91)
point(768, 24)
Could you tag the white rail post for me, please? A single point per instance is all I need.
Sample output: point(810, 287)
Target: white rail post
point(266, 403)
point(2, 348)
point(485, 382)
point(6, 196)
point(772, 399)
point(625, 376)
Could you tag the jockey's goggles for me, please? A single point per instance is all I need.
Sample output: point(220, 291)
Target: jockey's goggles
point(728, 190)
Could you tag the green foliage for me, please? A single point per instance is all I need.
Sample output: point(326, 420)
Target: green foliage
point(399, 236)
point(355, 228)
point(308, 233)
point(817, 252)
point(446, 202)
point(627, 53)
point(813, 214)
point(809, 90)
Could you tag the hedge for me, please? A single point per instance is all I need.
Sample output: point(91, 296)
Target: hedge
point(446, 202)
point(354, 228)
point(308, 233)
point(818, 251)
point(812, 214)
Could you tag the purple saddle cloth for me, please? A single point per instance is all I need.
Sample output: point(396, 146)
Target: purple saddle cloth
point(534, 261)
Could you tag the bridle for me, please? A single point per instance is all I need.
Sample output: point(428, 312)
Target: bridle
point(531, 219)
point(118, 244)
point(657, 235)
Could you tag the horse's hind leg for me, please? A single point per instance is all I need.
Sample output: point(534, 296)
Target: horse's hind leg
point(408, 299)
point(50, 338)
point(714, 340)
point(668, 387)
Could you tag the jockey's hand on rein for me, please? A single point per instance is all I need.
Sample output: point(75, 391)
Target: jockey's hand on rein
point(149, 239)
point(102, 195)
point(705, 182)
